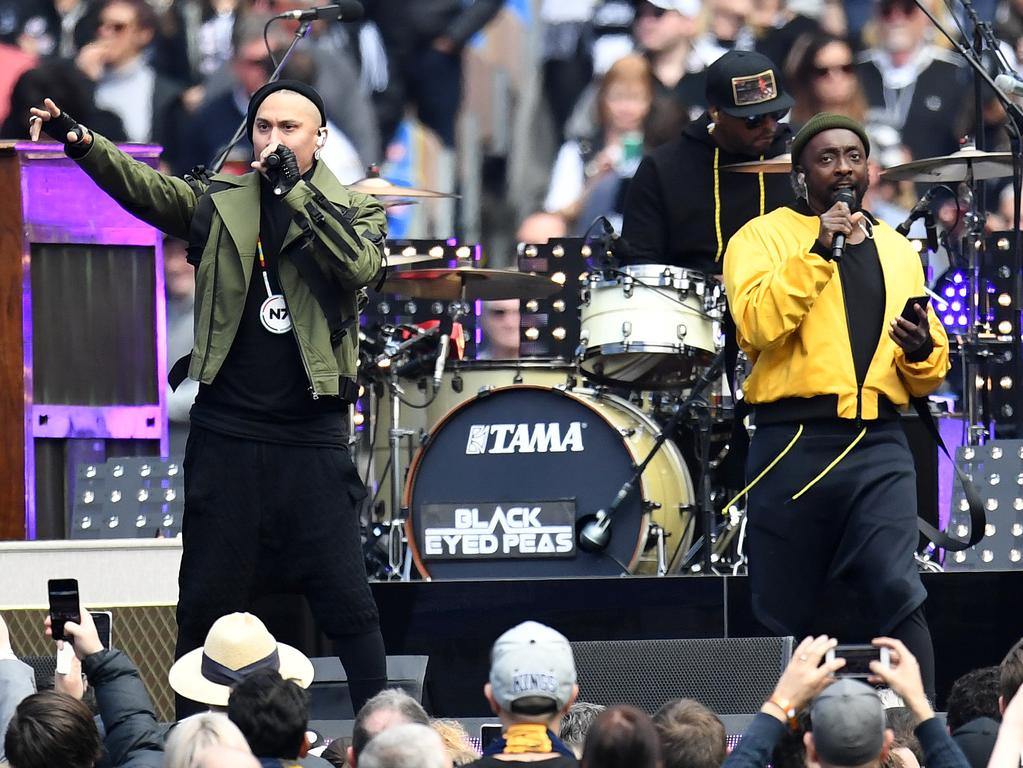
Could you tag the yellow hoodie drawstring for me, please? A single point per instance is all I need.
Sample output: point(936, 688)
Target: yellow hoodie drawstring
point(832, 465)
point(717, 201)
point(717, 205)
point(766, 469)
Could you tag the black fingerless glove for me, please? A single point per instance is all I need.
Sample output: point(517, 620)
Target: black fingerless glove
point(284, 175)
point(57, 128)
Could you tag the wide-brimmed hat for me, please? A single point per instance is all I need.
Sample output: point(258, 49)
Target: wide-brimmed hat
point(236, 645)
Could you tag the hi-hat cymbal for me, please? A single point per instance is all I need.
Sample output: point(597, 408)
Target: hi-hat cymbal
point(958, 166)
point(377, 186)
point(469, 283)
point(779, 164)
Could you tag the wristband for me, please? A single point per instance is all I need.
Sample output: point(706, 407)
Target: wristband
point(59, 127)
point(786, 709)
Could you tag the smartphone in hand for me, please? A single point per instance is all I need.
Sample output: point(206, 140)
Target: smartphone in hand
point(64, 605)
point(909, 314)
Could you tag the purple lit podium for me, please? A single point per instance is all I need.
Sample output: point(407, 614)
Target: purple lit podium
point(82, 339)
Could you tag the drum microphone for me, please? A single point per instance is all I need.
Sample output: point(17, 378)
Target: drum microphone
point(345, 10)
point(442, 351)
point(846, 196)
point(596, 534)
point(921, 208)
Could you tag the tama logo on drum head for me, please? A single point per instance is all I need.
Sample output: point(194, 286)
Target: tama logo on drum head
point(524, 438)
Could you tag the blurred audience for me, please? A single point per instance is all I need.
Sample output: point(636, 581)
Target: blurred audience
point(778, 26)
point(58, 80)
point(272, 713)
point(389, 708)
point(821, 74)
point(911, 83)
point(424, 42)
point(613, 152)
point(411, 745)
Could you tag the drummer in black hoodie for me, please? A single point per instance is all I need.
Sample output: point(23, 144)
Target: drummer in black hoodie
point(682, 207)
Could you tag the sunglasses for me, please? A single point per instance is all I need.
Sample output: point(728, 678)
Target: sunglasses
point(845, 69)
point(888, 7)
point(755, 121)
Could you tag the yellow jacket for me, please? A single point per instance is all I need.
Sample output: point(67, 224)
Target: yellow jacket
point(788, 306)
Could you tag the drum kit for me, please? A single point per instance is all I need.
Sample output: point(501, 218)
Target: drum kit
point(521, 465)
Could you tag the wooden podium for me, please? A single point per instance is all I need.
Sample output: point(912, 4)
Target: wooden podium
point(82, 334)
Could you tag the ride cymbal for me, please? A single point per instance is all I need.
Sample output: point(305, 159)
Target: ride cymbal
point(469, 283)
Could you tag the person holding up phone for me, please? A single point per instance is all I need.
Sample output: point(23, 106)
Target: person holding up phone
point(133, 736)
point(817, 290)
point(847, 719)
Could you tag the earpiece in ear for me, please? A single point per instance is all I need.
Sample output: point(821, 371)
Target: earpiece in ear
point(321, 138)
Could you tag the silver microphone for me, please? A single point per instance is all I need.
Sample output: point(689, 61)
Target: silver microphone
point(442, 358)
point(1009, 85)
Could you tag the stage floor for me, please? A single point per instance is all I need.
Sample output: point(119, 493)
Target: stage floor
point(974, 619)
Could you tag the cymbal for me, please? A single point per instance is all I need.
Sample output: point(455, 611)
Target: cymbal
point(400, 259)
point(955, 167)
point(398, 202)
point(779, 164)
point(486, 284)
point(377, 186)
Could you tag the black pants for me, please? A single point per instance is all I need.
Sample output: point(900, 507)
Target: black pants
point(432, 81)
point(262, 517)
point(857, 523)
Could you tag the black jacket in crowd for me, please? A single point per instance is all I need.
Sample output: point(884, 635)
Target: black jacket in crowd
point(672, 213)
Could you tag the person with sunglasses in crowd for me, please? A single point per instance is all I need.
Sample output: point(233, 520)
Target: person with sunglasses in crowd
point(915, 86)
point(683, 205)
point(822, 74)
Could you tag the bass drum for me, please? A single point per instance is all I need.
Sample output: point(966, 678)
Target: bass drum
point(504, 481)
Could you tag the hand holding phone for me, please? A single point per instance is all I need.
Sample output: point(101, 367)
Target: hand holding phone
point(65, 605)
point(857, 659)
point(909, 312)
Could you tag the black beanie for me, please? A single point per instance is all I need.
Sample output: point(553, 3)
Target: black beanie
point(281, 85)
point(825, 121)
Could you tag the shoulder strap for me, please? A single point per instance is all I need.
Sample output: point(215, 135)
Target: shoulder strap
point(978, 517)
point(202, 220)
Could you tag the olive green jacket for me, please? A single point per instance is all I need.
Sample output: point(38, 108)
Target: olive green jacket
point(222, 278)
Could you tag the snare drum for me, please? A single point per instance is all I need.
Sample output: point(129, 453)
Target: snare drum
point(649, 326)
point(505, 480)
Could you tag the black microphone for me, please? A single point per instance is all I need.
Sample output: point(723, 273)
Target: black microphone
point(921, 208)
point(846, 196)
point(271, 161)
point(932, 232)
point(345, 10)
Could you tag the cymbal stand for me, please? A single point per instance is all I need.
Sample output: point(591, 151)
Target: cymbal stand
point(975, 408)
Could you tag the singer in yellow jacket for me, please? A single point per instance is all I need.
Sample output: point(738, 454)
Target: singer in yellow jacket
point(817, 291)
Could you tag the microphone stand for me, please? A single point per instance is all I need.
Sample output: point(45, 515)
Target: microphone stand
point(603, 518)
point(1014, 127)
point(218, 162)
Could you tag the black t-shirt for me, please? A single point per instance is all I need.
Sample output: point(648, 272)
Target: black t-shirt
point(863, 286)
point(262, 391)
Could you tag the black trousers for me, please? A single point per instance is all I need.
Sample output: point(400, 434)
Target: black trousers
point(262, 517)
point(857, 523)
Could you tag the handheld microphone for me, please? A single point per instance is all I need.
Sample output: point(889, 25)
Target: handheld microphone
point(846, 196)
point(1010, 85)
point(344, 10)
point(271, 161)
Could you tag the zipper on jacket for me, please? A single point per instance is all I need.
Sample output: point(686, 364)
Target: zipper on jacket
point(213, 303)
point(852, 354)
point(298, 341)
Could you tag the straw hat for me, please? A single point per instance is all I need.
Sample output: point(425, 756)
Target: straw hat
point(236, 645)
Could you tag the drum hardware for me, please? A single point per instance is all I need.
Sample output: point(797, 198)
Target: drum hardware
point(662, 554)
point(469, 284)
point(595, 535)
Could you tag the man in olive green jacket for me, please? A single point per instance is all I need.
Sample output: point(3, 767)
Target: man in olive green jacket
point(271, 495)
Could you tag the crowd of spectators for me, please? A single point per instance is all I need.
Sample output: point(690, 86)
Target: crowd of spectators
point(259, 713)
